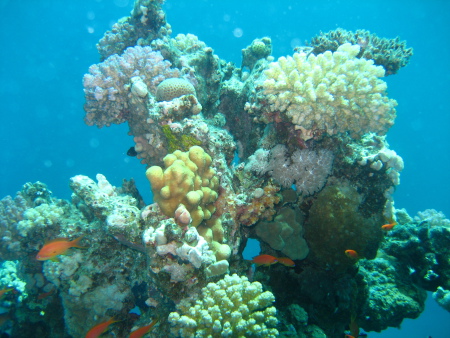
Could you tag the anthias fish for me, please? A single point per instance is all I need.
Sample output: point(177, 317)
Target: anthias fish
point(57, 247)
point(264, 260)
point(352, 254)
point(286, 261)
point(143, 330)
point(2, 292)
point(99, 329)
point(389, 226)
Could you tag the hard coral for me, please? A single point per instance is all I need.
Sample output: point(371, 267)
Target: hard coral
point(189, 180)
point(333, 92)
point(392, 54)
point(285, 233)
point(232, 307)
point(173, 88)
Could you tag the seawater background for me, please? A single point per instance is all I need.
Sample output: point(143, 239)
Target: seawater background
point(48, 45)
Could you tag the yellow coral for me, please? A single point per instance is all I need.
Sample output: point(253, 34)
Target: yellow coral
point(189, 180)
point(335, 92)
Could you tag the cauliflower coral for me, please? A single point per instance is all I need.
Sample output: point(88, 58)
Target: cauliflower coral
point(333, 92)
point(232, 307)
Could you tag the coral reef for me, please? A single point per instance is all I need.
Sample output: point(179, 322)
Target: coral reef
point(292, 153)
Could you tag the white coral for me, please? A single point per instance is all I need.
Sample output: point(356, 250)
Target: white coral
point(335, 92)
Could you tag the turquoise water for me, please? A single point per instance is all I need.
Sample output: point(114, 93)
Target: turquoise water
point(47, 46)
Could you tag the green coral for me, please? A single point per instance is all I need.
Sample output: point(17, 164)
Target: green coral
point(392, 54)
point(336, 224)
point(178, 142)
point(258, 49)
point(232, 307)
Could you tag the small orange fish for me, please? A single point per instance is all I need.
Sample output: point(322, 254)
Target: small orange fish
point(264, 260)
point(46, 294)
point(354, 327)
point(143, 330)
point(2, 292)
point(389, 226)
point(352, 254)
point(56, 247)
point(349, 336)
point(286, 261)
point(97, 330)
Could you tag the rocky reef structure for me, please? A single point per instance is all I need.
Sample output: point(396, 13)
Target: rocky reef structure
point(292, 153)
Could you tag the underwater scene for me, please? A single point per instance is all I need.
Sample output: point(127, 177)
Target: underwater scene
point(225, 169)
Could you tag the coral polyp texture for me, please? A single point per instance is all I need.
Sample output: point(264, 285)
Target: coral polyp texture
point(109, 85)
point(291, 154)
point(188, 180)
point(170, 89)
point(334, 91)
point(232, 307)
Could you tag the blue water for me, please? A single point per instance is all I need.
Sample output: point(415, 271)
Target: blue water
point(47, 46)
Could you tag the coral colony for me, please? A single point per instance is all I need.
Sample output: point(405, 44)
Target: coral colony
point(313, 184)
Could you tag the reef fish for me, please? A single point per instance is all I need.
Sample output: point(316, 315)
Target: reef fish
point(98, 329)
point(143, 330)
point(2, 292)
point(132, 152)
point(389, 226)
point(265, 260)
point(57, 246)
point(286, 261)
point(354, 327)
point(352, 254)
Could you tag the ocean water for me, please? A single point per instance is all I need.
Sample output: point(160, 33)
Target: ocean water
point(48, 45)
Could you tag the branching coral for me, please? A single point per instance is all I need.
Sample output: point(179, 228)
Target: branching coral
point(335, 92)
point(392, 54)
point(232, 307)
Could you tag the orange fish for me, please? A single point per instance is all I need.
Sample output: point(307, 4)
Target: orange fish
point(352, 254)
point(286, 261)
point(143, 330)
point(354, 327)
point(46, 294)
point(348, 336)
point(264, 260)
point(389, 226)
point(56, 247)
point(2, 292)
point(97, 330)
